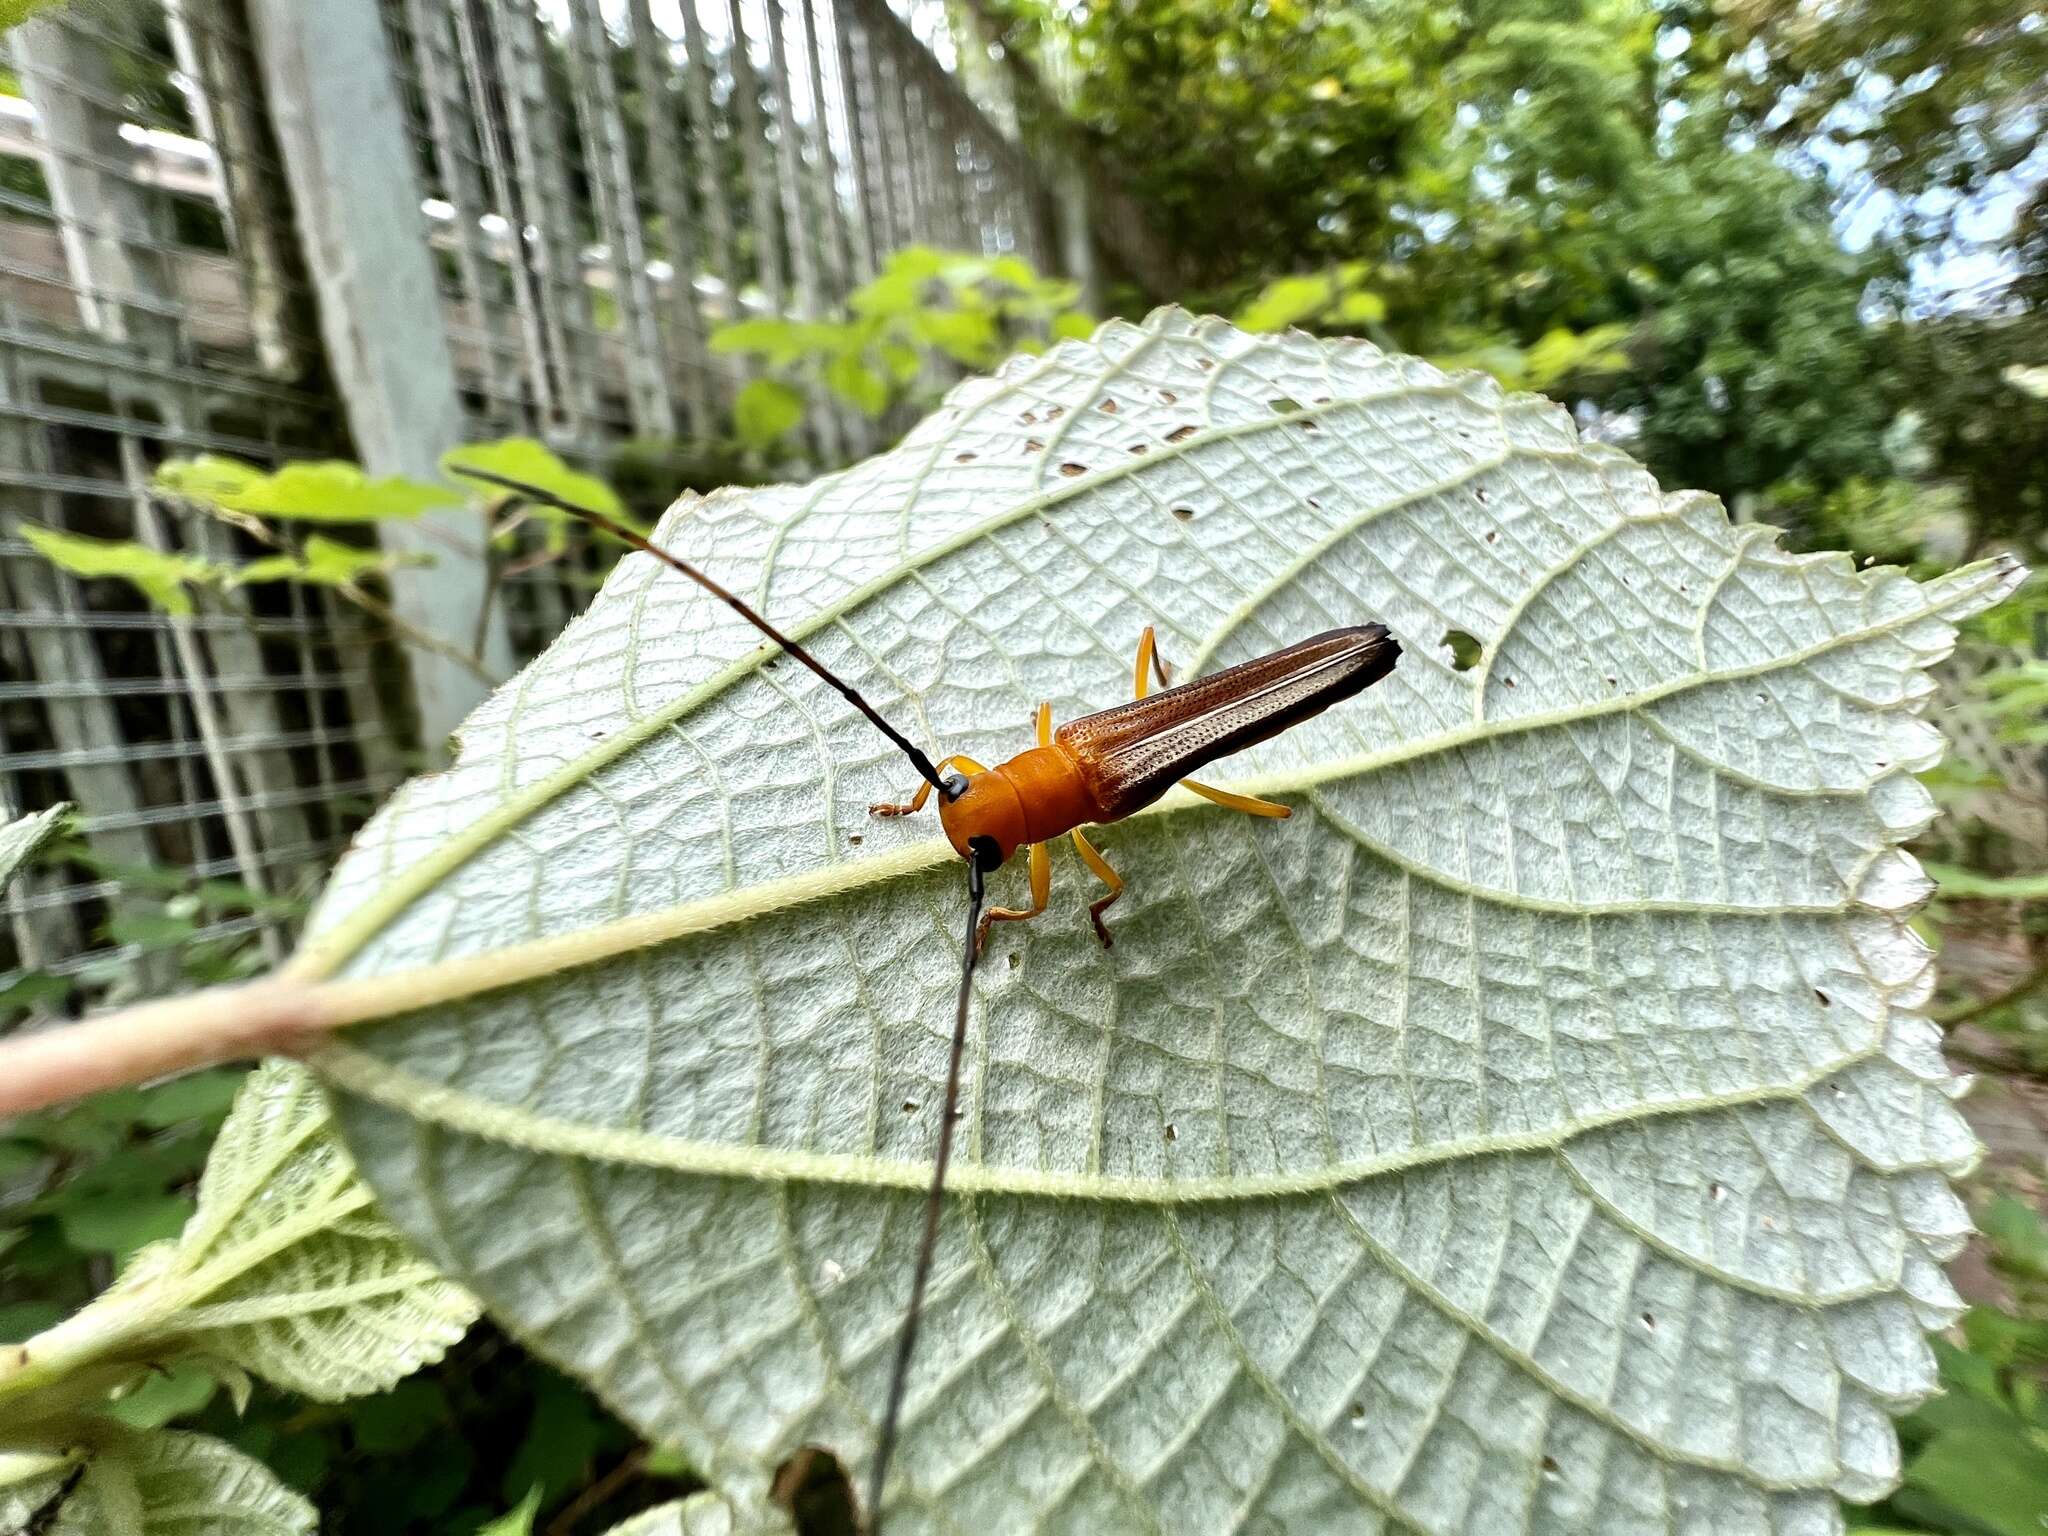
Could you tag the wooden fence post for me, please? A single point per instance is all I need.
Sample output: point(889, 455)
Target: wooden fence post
point(328, 77)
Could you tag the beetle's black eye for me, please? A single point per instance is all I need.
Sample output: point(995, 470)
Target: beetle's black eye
point(985, 853)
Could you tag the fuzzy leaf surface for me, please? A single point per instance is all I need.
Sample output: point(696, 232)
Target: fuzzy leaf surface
point(1537, 1132)
point(285, 1271)
point(160, 1483)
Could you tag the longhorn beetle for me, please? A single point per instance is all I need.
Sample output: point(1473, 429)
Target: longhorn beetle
point(1098, 768)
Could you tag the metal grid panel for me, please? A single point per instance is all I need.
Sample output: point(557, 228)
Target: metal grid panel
point(605, 182)
point(675, 164)
point(150, 306)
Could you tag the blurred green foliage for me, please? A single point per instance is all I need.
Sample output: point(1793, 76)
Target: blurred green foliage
point(924, 305)
point(1976, 1457)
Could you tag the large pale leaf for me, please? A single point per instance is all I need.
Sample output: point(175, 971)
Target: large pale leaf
point(285, 1270)
point(1537, 1132)
point(168, 1483)
point(25, 834)
point(162, 1483)
point(705, 1514)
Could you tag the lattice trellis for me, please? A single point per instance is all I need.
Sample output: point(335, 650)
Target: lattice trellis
point(674, 166)
point(600, 184)
point(150, 305)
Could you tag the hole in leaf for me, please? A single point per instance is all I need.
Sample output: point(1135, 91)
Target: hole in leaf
point(910, 1106)
point(1550, 1466)
point(1610, 682)
point(1716, 1192)
point(1205, 363)
point(1322, 399)
point(1480, 496)
point(1029, 418)
point(1358, 1413)
point(1649, 1322)
point(963, 458)
point(1071, 469)
point(1033, 445)
point(1509, 681)
point(1141, 448)
point(1168, 396)
point(1492, 534)
point(813, 1486)
point(1171, 1133)
point(1185, 514)
point(1110, 406)
point(1280, 405)
point(1465, 650)
point(1823, 998)
point(1181, 433)
point(1314, 503)
point(1016, 958)
point(853, 838)
point(1056, 413)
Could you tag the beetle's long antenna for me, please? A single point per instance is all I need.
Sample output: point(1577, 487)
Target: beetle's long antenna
point(625, 535)
point(906, 1341)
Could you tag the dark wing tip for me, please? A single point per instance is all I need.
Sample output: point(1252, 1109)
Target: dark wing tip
point(1378, 638)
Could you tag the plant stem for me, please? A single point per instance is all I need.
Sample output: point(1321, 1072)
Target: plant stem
point(1966, 1012)
point(289, 1012)
point(626, 1469)
point(412, 634)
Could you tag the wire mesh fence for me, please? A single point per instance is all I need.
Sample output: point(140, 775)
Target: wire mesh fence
point(599, 183)
point(150, 306)
point(606, 184)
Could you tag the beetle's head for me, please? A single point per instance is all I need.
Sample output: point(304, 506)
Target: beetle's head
point(983, 817)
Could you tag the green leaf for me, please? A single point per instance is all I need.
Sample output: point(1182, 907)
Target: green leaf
point(168, 1483)
point(1560, 354)
point(151, 931)
point(1072, 325)
point(517, 1521)
point(158, 576)
point(854, 381)
point(195, 1096)
point(522, 458)
point(562, 1440)
point(1994, 1474)
point(284, 1270)
point(120, 1224)
point(320, 491)
point(163, 1395)
point(966, 336)
point(1362, 308)
point(401, 1418)
point(1540, 1129)
point(21, 837)
point(903, 361)
point(325, 563)
point(706, 1514)
point(35, 989)
point(780, 343)
point(765, 410)
point(1285, 302)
